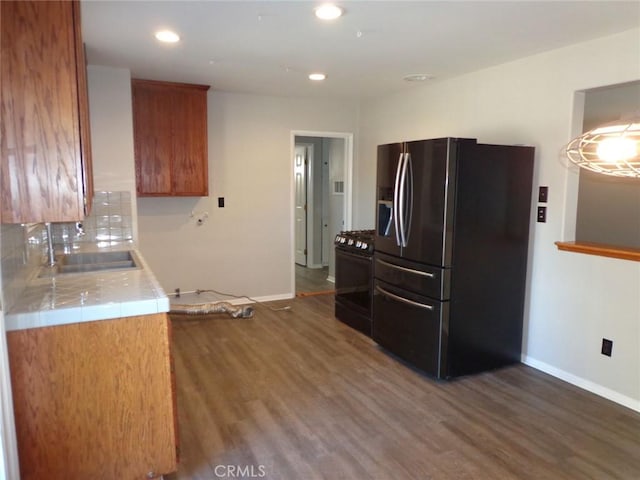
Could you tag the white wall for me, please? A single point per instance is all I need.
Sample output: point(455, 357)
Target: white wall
point(112, 132)
point(246, 247)
point(574, 300)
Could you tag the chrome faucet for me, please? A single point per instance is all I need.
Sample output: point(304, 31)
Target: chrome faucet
point(52, 253)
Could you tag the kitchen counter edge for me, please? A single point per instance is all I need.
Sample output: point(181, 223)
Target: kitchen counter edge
point(88, 297)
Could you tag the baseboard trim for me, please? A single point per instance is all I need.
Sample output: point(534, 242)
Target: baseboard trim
point(585, 384)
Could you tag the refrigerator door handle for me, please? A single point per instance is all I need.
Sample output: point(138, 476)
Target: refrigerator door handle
point(405, 269)
point(403, 300)
point(402, 208)
point(408, 206)
point(396, 198)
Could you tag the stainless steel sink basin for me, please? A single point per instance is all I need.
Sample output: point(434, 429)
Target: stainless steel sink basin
point(91, 262)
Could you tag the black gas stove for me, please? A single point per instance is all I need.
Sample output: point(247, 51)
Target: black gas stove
point(357, 241)
point(354, 278)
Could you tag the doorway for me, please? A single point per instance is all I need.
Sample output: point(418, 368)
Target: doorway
point(322, 165)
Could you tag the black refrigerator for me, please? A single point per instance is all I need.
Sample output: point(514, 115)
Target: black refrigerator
point(450, 261)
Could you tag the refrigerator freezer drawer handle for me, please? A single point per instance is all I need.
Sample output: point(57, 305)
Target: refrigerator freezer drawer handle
point(404, 300)
point(405, 269)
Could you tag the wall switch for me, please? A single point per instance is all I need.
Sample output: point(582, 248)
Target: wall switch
point(607, 347)
point(543, 194)
point(220, 202)
point(542, 214)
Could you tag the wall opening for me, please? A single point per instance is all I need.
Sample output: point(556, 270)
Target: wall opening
point(608, 210)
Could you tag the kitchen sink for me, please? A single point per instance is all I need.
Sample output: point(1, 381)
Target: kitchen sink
point(86, 262)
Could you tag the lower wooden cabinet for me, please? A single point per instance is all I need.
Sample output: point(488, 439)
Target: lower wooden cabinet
point(94, 399)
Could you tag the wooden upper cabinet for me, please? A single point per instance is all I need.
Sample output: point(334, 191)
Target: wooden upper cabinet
point(83, 109)
point(45, 146)
point(170, 137)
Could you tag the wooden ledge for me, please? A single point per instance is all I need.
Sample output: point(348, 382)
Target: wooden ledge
point(600, 249)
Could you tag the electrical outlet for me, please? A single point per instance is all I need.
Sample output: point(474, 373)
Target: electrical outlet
point(220, 202)
point(607, 347)
point(543, 194)
point(177, 290)
point(542, 214)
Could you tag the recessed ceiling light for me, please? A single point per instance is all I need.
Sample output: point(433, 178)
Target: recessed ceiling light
point(167, 36)
point(328, 11)
point(317, 76)
point(418, 77)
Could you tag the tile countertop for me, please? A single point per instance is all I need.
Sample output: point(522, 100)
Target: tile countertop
point(85, 297)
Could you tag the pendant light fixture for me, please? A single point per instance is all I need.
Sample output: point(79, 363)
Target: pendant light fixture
point(611, 149)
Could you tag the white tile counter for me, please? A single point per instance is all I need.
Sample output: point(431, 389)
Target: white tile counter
point(84, 297)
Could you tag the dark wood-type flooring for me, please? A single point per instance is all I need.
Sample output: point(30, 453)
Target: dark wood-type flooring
point(309, 280)
point(297, 395)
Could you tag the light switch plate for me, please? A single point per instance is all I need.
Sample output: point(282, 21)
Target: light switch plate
point(543, 194)
point(542, 214)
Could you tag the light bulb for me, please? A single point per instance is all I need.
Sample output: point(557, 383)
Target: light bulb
point(617, 149)
point(328, 12)
point(317, 76)
point(167, 36)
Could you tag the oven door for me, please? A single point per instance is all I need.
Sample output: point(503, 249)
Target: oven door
point(354, 289)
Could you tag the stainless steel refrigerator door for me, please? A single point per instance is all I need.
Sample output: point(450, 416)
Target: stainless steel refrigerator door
point(430, 209)
point(389, 169)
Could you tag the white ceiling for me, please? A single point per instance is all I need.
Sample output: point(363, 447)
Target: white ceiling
point(269, 47)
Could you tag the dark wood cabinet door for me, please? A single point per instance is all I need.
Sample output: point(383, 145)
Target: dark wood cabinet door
point(190, 136)
point(40, 132)
point(153, 139)
point(83, 112)
point(170, 137)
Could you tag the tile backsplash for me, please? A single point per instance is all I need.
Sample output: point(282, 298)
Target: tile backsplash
point(21, 254)
point(110, 222)
point(24, 247)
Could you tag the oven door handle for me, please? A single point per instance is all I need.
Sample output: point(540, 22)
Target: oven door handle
point(403, 300)
point(405, 269)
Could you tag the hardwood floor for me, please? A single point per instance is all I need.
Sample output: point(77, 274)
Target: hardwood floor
point(296, 395)
point(312, 280)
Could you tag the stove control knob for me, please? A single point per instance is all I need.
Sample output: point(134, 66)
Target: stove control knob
point(364, 245)
point(350, 242)
point(358, 244)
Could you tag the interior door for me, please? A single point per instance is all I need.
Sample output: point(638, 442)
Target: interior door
point(327, 237)
point(300, 175)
